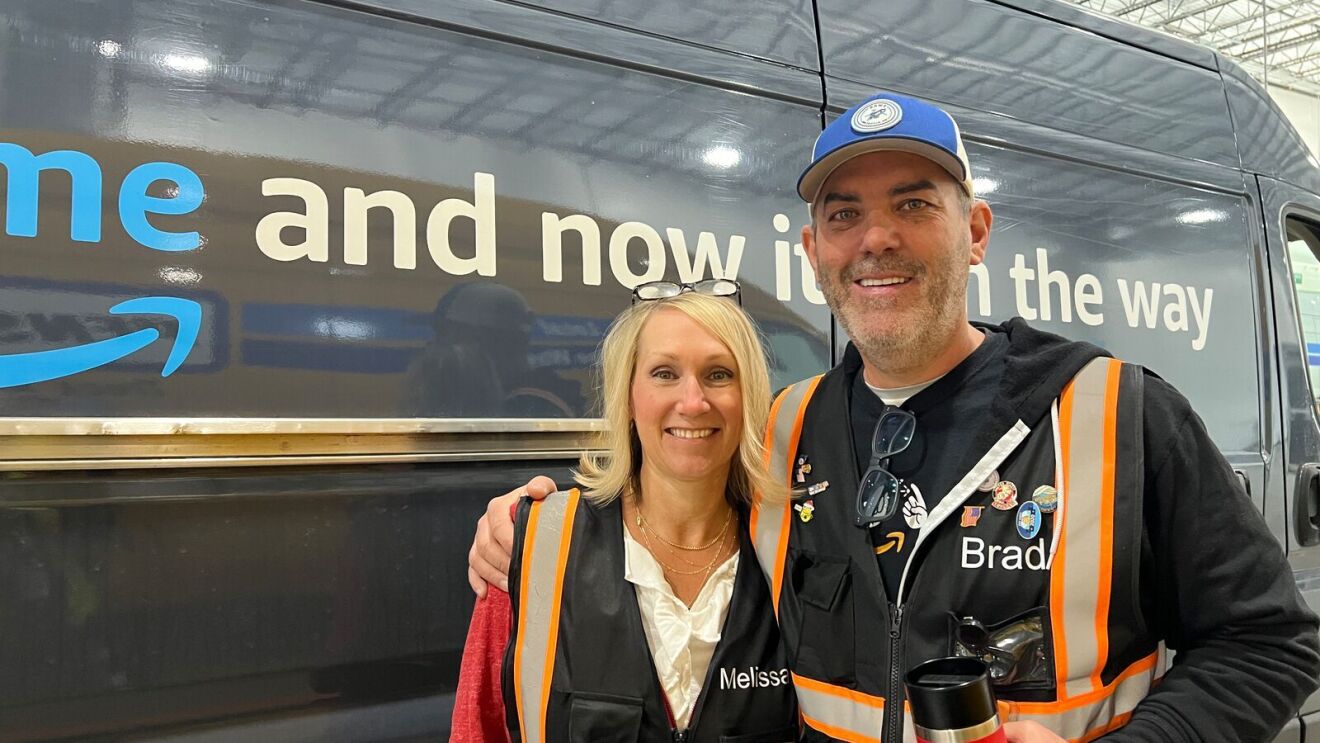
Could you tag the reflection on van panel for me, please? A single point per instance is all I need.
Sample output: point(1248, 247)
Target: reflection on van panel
point(416, 222)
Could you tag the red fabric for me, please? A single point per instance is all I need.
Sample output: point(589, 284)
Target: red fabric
point(479, 702)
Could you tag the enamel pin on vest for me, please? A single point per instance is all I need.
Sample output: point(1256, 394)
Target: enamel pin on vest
point(1028, 520)
point(806, 510)
point(1005, 496)
point(1046, 497)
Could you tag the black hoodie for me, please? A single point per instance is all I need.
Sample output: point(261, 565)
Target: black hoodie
point(1211, 581)
point(959, 416)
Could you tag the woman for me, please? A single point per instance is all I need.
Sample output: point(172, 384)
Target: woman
point(638, 609)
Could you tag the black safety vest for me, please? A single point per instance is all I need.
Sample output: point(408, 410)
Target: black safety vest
point(578, 666)
point(849, 643)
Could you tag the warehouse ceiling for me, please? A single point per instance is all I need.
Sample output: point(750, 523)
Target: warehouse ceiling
point(1274, 40)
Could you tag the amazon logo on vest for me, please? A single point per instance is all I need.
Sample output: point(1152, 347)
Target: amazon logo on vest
point(185, 193)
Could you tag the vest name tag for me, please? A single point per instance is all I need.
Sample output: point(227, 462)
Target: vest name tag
point(752, 678)
point(977, 554)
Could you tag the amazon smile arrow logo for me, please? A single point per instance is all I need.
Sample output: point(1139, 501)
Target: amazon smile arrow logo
point(40, 366)
point(896, 539)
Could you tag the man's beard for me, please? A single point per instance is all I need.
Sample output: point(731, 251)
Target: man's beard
point(891, 336)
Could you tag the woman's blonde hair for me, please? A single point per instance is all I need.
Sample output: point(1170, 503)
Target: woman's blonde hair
point(605, 477)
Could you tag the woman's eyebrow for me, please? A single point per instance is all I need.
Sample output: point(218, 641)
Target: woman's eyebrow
point(722, 356)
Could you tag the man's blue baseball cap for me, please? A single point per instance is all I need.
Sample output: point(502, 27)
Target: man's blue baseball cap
point(887, 121)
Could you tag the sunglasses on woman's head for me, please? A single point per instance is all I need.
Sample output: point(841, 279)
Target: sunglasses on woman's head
point(653, 290)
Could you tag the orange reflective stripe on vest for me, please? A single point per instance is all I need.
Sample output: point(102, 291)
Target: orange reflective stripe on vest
point(1091, 715)
point(1081, 575)
point(545, 551)
point(770, 522)
point(843, 714)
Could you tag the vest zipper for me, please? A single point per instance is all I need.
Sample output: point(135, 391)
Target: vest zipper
point(893, 727)
point(676, 735)
point(893, 703)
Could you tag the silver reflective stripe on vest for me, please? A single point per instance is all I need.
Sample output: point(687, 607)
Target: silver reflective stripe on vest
point(840, 713)
point(771, 523)
point(1088, 717)
point(1081, 573)
point(548, 527)
point(1085, 563)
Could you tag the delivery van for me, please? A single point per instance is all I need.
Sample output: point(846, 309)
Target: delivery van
point(290, 288)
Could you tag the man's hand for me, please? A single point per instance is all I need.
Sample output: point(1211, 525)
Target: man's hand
point(488, 560)
point(1029, 732)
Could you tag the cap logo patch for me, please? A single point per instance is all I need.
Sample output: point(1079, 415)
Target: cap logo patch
point(877, 116)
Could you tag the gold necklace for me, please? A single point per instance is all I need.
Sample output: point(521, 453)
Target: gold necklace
point(650, 546)
point(645, 527)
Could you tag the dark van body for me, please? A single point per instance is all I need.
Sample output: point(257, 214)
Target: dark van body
point(290, 288)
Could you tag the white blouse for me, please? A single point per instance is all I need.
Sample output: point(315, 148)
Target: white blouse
point(682, 639)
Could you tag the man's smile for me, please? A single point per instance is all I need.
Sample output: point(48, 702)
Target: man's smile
point(883, 282)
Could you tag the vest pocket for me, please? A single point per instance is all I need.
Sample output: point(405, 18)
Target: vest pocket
point(605, 718)
point(823, 587)
point(1016, 650)
point(781, 735)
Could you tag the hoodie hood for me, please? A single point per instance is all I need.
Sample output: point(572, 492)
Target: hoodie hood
point(1037, 367)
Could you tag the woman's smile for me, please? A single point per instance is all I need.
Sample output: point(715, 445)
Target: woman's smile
point(691, 433)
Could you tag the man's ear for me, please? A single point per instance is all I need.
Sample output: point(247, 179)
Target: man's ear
point(809, 245)
point(978, 223)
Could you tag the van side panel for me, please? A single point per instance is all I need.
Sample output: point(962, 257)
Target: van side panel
point(996, 59)
point(140, 602)
point(361, 175)
point(1130, 33)
point(1269, 143)
point(782, 31)
point(718, 59)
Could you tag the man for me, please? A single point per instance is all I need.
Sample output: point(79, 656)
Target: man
point(475, 364)
point(999, 492)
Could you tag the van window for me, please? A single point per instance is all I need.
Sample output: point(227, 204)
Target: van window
point(1304, 254)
